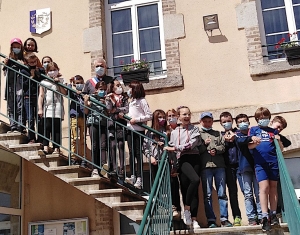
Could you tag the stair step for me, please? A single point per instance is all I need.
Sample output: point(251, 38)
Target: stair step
point(241, 230)
point(86, 184)
point(51, 160)
point(108, 196)
point(7, 139)
point(25, 150)
point(133, 210)
point(66, 172)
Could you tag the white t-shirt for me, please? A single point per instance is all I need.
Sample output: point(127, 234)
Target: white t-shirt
point(139, 110)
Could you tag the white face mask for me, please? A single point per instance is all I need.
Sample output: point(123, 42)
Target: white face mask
point(119, 90)
point(53, 74)
point(16, 50)
point(100, 71)
point(79, 87)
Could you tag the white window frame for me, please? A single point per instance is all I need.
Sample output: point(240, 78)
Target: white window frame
point(290, 21)
point(133, 4)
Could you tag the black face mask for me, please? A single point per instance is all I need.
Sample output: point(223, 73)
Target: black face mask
point(32, 67)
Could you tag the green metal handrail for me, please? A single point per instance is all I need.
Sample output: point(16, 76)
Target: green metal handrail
point(291, 204)
point(157, 217)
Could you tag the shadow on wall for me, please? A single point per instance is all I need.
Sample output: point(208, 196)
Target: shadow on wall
point(217, 39)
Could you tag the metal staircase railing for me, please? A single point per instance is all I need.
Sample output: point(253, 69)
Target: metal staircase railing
point(158, 213)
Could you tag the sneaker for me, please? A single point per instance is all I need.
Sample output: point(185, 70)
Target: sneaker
point(176, 214)
point(104, 169)
point(226, 223)
point(252, 222)
point(212, 224)
point(16, 131)
point(83, 164)
point(266, 226)
point(95, 173)
point(9, 132)
point(237, 221)
point(42, 152)
point(187, 219)
point(195, 225)
point(274, 220)
point(130, 180)
point(138, 183)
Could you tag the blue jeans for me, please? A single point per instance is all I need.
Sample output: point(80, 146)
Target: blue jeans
point(219, 176)
point(250, 183)
point(30, 109)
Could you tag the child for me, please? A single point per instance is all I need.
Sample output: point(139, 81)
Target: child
point(97, 127)
point(185, 140)
point(213, 166)
point(117, 105)
point(153, 150)
point(266, 166)
point(30, 91)
point(246, 169)
point(30, 45)
point(232, 163)
point(77, 117)
point(51, 108)
point(139, 112)
point(46, 60)
point(13, 89)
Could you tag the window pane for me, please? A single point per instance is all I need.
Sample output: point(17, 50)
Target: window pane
point(296, 1)
point(149, 40)
point(273, 50)
point(297, 16)
point(121, 20)
point(148, 16)
point(265, 4)
point(121, 61)
point(155, 67)
point(10, 181)
point(122, 44)
point(10, 224)
point(275, 21)
point(116, 1)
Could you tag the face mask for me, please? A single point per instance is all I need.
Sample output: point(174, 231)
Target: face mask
point(53, 74)
point(119, 90)
point(161, 121)
point(79, 87)
point(129, 93)
point(173, 120)
point(263, 122)
point(101, 93)
point(243, 126)
point(206, 129)
point(100, 71)
point(227, 125)
point(16, 50)
point(32, 67)
point(45, 65)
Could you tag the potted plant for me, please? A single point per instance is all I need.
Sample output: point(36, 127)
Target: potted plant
point(138, 70)
point(291, 48)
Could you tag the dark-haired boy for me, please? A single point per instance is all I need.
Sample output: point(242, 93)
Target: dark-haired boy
point(232, 163)
point(213, 167)
point(246, 169)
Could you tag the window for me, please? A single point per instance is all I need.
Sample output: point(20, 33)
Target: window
point(134, 31)
point(280, 17)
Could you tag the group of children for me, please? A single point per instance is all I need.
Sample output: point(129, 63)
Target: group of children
point(243, 154)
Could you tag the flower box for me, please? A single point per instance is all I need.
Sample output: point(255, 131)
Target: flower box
point(292, 53)
point(139, 75)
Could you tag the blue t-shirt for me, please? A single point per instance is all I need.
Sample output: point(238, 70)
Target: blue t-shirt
point(265, 152)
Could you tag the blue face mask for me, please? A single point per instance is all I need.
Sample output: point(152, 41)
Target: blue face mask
point(227, 125)
point(243, 126)
point(79, 87)
point(206, 129)
point(16, 50)
point(101, 93)
point(263, 122)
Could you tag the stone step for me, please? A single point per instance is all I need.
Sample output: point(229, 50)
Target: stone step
point(66, 172)
point(7, 139)
point(51, 160)
point(108, 196)
point(25, 150)
point(86, 184)
point(133, 210)
point(241, 230)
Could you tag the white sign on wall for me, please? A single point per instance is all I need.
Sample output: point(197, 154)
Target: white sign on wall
point(40, 20)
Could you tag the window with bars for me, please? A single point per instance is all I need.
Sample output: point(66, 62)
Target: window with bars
point(281, 19)
point(134, 31)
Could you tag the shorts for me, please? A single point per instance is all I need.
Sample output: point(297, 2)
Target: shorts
point(267, 171)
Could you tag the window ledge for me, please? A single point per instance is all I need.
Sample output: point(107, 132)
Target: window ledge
point(170, 81)
point(280, 66)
